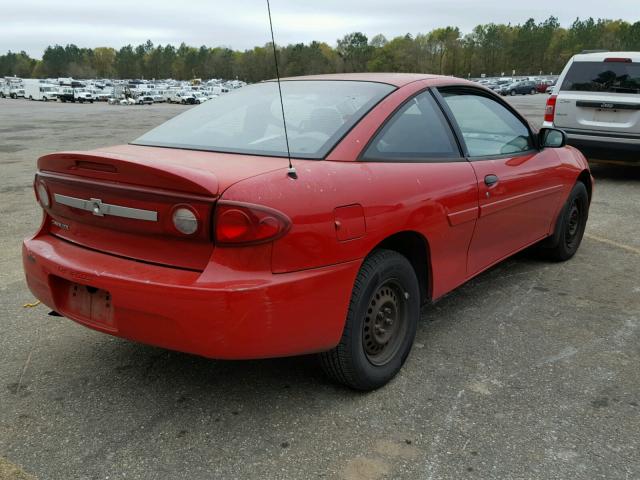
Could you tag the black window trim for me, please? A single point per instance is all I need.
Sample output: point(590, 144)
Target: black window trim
point(460, 158)
point(492, 96)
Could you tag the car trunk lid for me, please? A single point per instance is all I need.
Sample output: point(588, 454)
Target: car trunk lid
point(121, 200)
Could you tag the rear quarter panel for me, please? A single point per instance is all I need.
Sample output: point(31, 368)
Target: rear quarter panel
point(436, 200)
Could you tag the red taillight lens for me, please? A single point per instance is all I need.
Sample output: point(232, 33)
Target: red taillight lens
point(550, 109)
point(246, 224)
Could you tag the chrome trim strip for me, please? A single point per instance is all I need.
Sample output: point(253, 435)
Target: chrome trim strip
point(95, 206)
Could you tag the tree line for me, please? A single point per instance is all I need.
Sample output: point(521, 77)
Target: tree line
point(491, 49)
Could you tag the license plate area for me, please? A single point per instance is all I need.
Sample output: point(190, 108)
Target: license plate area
point(84, 303)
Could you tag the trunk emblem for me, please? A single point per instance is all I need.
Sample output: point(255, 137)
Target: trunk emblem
point(100, 209)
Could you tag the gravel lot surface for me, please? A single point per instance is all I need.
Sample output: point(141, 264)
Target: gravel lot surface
point(528, 371)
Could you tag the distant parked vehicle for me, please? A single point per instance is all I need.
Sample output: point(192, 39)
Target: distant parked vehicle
point(542, 86)
point(102, 95)
point(520, 88)
point(83, 95)
point(65, 94)
point(11, 90)
point(596, 101)
point(35, 90)
point(144, 99)
point(183, 97)
point(158, 97)
point(200, 97)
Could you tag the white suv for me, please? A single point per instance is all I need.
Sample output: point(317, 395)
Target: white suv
point(596, 101)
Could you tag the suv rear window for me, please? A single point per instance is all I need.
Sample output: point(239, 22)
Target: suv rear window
point(613, 77)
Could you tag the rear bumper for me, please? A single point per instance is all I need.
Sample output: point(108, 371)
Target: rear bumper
point(605, 145)
point(248, 315)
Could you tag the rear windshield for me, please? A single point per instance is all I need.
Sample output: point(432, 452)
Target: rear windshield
point(249, 120)
point(614, 77)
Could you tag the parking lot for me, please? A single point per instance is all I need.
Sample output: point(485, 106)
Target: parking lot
point(528, 371)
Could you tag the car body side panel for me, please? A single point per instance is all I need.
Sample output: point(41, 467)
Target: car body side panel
point(515, 211)
point(437, 200)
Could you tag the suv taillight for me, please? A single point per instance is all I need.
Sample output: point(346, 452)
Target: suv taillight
point(238, 224)
point(550, 108)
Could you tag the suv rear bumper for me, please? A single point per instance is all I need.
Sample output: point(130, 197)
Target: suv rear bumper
point(604, 145)
point(232, 315)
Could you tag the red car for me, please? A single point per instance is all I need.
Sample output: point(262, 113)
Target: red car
point(196, 236)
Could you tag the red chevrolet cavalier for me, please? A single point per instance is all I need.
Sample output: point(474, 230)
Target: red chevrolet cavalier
point(197, 237)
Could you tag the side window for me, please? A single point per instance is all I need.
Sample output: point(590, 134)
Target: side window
point(417, 131)
point(488, 128)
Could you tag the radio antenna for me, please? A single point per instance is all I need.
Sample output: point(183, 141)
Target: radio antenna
point(291, 172)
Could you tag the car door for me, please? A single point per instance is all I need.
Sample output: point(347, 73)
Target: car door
point(520, 186)
point(418, 180)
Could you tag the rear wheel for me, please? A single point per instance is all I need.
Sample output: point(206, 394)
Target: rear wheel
point(570, 225)
point(533, 91)
point(380, 326)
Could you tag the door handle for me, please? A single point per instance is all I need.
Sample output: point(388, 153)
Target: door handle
point(490, 180)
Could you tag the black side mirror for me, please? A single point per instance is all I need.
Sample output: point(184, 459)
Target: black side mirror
point(552, 138)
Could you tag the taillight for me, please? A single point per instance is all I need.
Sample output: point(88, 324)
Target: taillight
point(550, 108)
point(246, 224)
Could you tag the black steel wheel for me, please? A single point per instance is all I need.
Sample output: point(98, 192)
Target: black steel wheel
point(380, 326)
point(570, 225)
point(385, 323)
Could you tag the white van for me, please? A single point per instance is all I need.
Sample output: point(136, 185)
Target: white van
point(34, 90)
point(596, 101)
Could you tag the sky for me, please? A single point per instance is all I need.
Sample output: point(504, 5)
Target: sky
point(31, 25)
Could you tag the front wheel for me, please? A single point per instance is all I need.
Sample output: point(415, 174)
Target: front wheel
point(533, 92)
point(512, 93)
point(570, 225)
point(381, 323)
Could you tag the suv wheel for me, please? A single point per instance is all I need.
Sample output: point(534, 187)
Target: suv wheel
point(381, 323)
point(512, 93)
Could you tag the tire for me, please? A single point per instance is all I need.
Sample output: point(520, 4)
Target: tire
point(570, 226)
point(533, 91)
point(381, 324)
point(45, 99)
point(31, 97)
point(512, 93)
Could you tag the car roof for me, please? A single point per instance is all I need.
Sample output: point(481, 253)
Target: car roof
point(600, 56)
point(396, 79)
